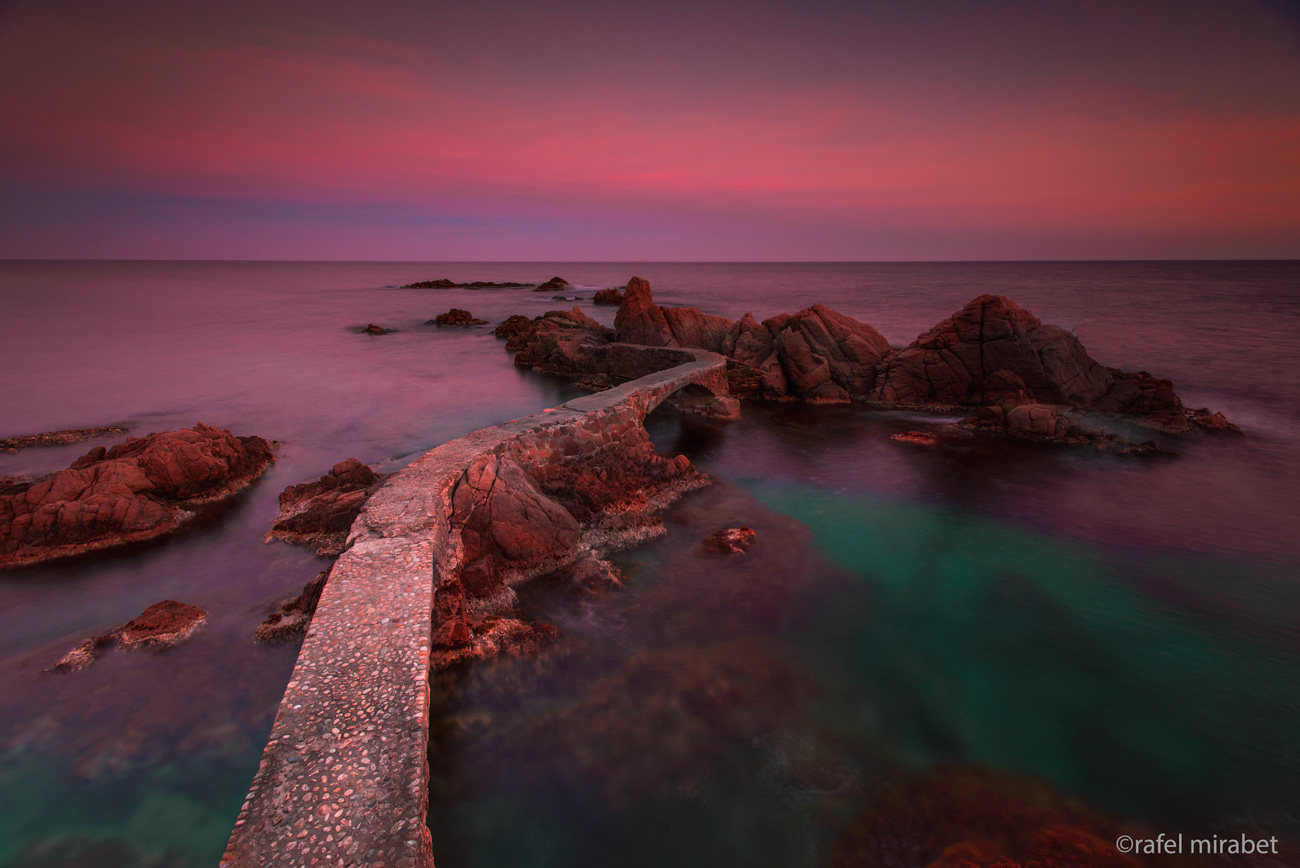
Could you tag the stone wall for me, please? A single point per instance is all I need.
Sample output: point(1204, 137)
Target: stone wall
point(344, 778)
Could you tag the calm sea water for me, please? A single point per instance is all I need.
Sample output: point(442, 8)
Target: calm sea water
point(1125, 631)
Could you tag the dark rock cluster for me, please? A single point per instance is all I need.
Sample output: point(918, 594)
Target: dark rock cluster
point(456, 317)
point(160, 626)
point(318, 514)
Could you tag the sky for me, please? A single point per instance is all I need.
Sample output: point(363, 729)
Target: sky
point(608, 131)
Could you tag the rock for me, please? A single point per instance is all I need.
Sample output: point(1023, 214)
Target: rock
point(496, 636)
point(162, 625)
point(374, 329)
point(552, 285)
point(611, 295)
point(60, 438)
point(732, 540)
point(513, 325)
point(640, 321)
point(1149, 449)
point(917, 438)
point(456, 317)
point(561, 342)
point(594, 382)
point(294, 616)
point(816, 354)
point(564, 298)
point(506, 521)
point(444, 283)
point(1031, 420)
point(1215, 423)
point(319, 514)
point(137, 490)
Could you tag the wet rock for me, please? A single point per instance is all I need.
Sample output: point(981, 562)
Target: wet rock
point(513, 325)
point(816, 355)
point(612, 295)
point(319, 514)
point(731, 540)
point(562, 342)
point(497, 636)
point(60, 438)
point(595, 382)
point(552, 285)
point(456, 317)
point(916, 438)
point(162, 625)
point(140, 489)
point(1215, 423)
point(294, 616)
point(375, 329)
point(640, 321)
point(1032, 420)
point(1149, 449)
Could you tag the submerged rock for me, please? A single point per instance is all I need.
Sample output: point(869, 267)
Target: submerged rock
point(162, 625)
point(731, 540)
point(375, 329)
point(456, 317)
point(137, 490)
point(294, 616)
point(917, 438)
point(319, 514)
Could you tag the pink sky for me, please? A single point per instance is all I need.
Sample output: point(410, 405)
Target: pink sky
point(597, 132)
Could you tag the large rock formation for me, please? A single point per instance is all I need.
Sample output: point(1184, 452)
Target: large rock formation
point(815, 354)
point(993, 351)
point(160, 626)
point(318, 514)
point(137, 490)
point(640, 321)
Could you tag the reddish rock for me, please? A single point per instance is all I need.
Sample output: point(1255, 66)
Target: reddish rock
point(506, 521)
point(456, 317)
point(513, 325)
point(375, 329)
point(552, 285)
point(497, 636)
point(816, 354)
point(294, 616)
point(732, 540)
point(595, 382)
point(562, 342)
point(139, 489)
point(640, 321)
point(1042, 422)
point(160, 626)
point(319, 514)
point(917, 438)
point(1215, 423)
point(608, 296)
point(59, 438)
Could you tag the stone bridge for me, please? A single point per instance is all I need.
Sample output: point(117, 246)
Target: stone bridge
point(344, 778)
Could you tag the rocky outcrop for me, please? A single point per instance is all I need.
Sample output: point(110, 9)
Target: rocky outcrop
point(612, 295)
point(731, 540)
point(552, 285)
point(60, 438)
point(1032, 420)
point(640, 321)
point(1215, 423)
point(160, 626)
point(561, 342)
point(916, 438)
point(814, 355)
point(445, 283)
point(293, 617)
point(318, 514)
point(993, 350)
point(512, 325)
point(137, 490)
point(376, 329)
point(456, 317)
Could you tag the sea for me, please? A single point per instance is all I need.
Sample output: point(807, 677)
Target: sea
point(1120, 633)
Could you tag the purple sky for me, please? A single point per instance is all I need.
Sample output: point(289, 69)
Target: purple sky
point(608, 131)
